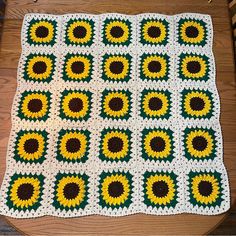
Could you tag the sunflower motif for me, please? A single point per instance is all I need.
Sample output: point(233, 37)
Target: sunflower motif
point(195, 67)
point(197, 103)
point(160, 189)
point(154, 67)
point(25, 191)
point(115, 145)
point(73, 145)
point(75, 105)
point(157, 144)
point(155, 104)
point(34, 105)
point(31, 146)
point(116, 32)
point(115, 189)
point(199, 143)
point(39, 67)
point(116, 67)
point(154, 32)
point(116, 104)
point(80, 32)
point(205, 188)
point(192, 32)
point(42, 32)
point(71, 191)
point(77, 67)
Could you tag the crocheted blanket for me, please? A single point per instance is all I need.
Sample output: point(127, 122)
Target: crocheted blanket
point(115, 115)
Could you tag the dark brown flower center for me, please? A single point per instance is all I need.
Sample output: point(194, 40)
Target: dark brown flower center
point(42, 32)
point(191, 31)
point(116, 104)
point(79, 32)
point(31, 145)
point(199, 143)
point(115, 189)
point(155, 104)
point(116, 67)
point(115, 144)
point(205, 188)
point(117, 32)
point(193, 67)
point(160, 188)
point(71, 191)
point(154, 66)
point(35, 105)
point(25, 191)
point(154, 32)
point(77, 67)
point(73, 145)
point(197, 104)
point(76, 104)
point(39, 67)
point(157, 144)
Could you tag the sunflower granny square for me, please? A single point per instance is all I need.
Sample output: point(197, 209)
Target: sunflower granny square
point(115, 115)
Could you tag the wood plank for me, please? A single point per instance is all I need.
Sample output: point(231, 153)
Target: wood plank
point(6, 229)
point(228, 227)
point(16, 9)
point(137, 224)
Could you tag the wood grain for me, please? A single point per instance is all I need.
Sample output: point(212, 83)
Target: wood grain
point(139, 224)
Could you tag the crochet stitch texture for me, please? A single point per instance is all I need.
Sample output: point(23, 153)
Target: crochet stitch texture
point(115, 115)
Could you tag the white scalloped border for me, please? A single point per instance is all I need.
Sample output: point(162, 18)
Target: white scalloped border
point(51, 166)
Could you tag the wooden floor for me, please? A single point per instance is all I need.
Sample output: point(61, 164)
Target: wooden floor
point(138, 224)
